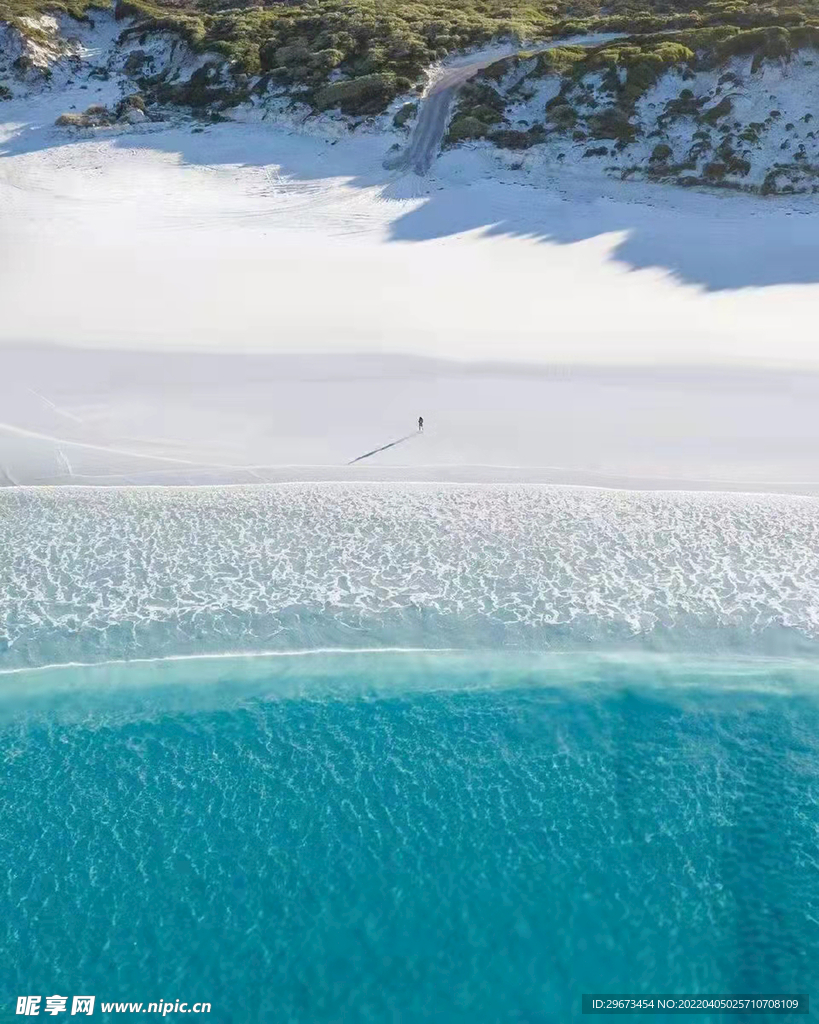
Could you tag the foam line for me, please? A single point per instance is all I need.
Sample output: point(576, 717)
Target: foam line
point(227, 656)
point(98, 573)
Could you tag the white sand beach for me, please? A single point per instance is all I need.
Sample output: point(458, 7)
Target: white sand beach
point(258, 301)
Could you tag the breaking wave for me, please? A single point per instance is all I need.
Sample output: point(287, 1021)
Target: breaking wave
point(99, 575)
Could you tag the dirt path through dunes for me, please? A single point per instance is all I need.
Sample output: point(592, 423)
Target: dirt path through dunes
point(428, 133)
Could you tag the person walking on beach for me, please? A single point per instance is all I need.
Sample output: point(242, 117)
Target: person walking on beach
point(421, 424)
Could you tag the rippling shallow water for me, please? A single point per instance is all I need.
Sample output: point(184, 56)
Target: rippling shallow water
point(477, 835)
point(95, 574)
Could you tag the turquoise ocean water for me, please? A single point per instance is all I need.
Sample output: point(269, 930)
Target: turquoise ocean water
point(326, 753)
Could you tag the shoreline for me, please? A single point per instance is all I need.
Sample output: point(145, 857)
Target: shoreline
point(460, 476)
point(99, 417)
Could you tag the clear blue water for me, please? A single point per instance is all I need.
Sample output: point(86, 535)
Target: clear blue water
point(478, 835)
point(411, 839)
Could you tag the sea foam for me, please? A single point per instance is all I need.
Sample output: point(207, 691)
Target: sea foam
point(95, 574)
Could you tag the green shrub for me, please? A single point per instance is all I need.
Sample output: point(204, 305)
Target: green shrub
point(719, 110)
point(133, 102)
point(643, 64)
point(498, 71)
point(489, 115)
point(406, 113)
point(715, 171)
point(509, 139)
point(612, 123)
point(135, 63)
point(73, 121)
point(203, 89)
point(95, 116)
point(294, 54)
point(366, 95)
point(562, 115)
point(685, 105)
point(661, 153)
point(14, 10)
point(463, 128)
point(479, 93)
point(762, 42)
point(560, 60)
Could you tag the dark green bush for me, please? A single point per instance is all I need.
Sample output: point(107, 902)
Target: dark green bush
point(406, 113)
point(612, 123)
point(463, 128)
point(719, 110)
point(479, 93)
point(133, 102)
point(562, 115)
point(489, 115)
point(508, 139)
point(135, 63)
point(715, 170)
point(366, 95)
point(203, 89)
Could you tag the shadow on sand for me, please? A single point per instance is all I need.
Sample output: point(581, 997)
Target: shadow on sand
point(383, 448)
point(716, 241)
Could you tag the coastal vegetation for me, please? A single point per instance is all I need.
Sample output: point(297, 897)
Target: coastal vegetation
point(359, 55)
point(19, 12)
point(659, 99)
point(685, 106)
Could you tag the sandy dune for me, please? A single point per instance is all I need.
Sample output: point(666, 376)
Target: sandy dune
point(550, 328)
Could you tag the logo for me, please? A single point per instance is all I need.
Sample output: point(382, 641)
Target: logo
point(29, 1006)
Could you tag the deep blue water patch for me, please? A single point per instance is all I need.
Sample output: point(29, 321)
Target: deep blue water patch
point(435, 852)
